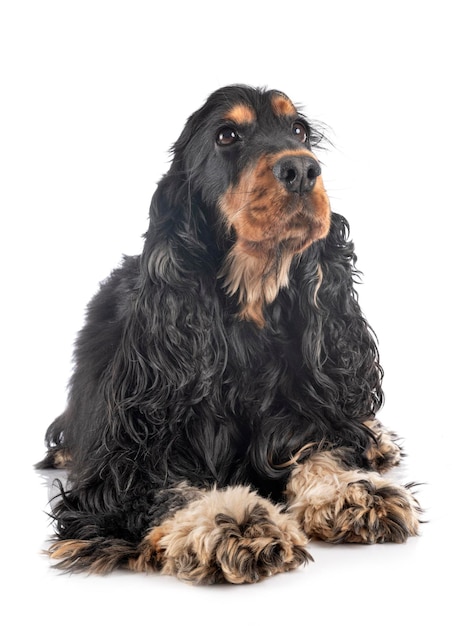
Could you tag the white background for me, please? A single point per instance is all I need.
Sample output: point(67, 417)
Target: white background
point(92, 96)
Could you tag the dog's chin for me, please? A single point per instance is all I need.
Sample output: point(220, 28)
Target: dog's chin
point(301, 223)
point(282, 221)
point(256, 270)
point(294, 236)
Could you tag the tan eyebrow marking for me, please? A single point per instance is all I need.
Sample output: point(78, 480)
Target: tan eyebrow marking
point(281, 105)
point(241, 114)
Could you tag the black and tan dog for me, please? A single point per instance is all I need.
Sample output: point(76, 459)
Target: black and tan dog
point(222, 407)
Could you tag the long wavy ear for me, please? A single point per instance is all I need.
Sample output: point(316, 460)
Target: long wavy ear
point(169, 357)
point(333, 350)
point(350, 345)
point(338, 342)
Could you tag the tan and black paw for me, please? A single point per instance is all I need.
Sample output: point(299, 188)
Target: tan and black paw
point(366, 512)
point(384, 452)
point(258, 547)
point(231, 535)
point(335, 503)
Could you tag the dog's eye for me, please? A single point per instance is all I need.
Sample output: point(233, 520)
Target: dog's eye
point(299, 130)
point(226, 136)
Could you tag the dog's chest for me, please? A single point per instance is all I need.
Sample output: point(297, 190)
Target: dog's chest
point(258, 369)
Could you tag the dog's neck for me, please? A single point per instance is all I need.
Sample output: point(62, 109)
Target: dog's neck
point(256, 272)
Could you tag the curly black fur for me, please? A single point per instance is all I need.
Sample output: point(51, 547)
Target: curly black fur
point(171, 384)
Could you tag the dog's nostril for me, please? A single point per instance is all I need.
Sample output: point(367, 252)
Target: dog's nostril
point(297, 173)
point(286, 172)
point(312, 173)
point(290, 175)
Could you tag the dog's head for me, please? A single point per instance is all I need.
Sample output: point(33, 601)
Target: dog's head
point(248, 154)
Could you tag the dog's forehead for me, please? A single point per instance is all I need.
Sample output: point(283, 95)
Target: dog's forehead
point(246, 112)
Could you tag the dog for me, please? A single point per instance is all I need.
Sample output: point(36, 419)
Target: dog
point(222, 409)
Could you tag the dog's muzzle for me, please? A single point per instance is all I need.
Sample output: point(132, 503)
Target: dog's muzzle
point(298, 173)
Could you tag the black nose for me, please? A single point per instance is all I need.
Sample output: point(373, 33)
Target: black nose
point(297, 173)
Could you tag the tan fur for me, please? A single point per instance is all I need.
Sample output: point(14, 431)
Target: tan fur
point(232, 534)
point(67, 549)
point(257, 279)
point(337, 504)
point(318, 285)
point(241, 114)
point(281, 105)
point(62, 459)
point(384, 452)
point(272, 225)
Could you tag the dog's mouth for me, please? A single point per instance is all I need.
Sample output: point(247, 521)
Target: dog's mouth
point(277, 209)
point(280, 199)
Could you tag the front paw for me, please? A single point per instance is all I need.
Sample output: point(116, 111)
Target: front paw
point(335, 503)
point(384, 452)
point(231, 535)
point(366, 511)
point(258, 546)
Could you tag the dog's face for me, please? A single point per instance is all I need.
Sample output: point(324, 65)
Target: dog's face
point(253, 151)
point(248, 152)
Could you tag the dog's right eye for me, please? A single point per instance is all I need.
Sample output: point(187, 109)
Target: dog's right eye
point(226, 136)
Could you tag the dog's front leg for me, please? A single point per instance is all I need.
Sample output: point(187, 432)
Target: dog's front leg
point(230, 534)
point(339, 504)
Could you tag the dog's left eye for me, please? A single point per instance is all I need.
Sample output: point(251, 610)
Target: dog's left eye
point(226, 136)
point(300, 131)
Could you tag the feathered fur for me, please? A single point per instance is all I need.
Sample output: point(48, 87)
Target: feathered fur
point(176, 383)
